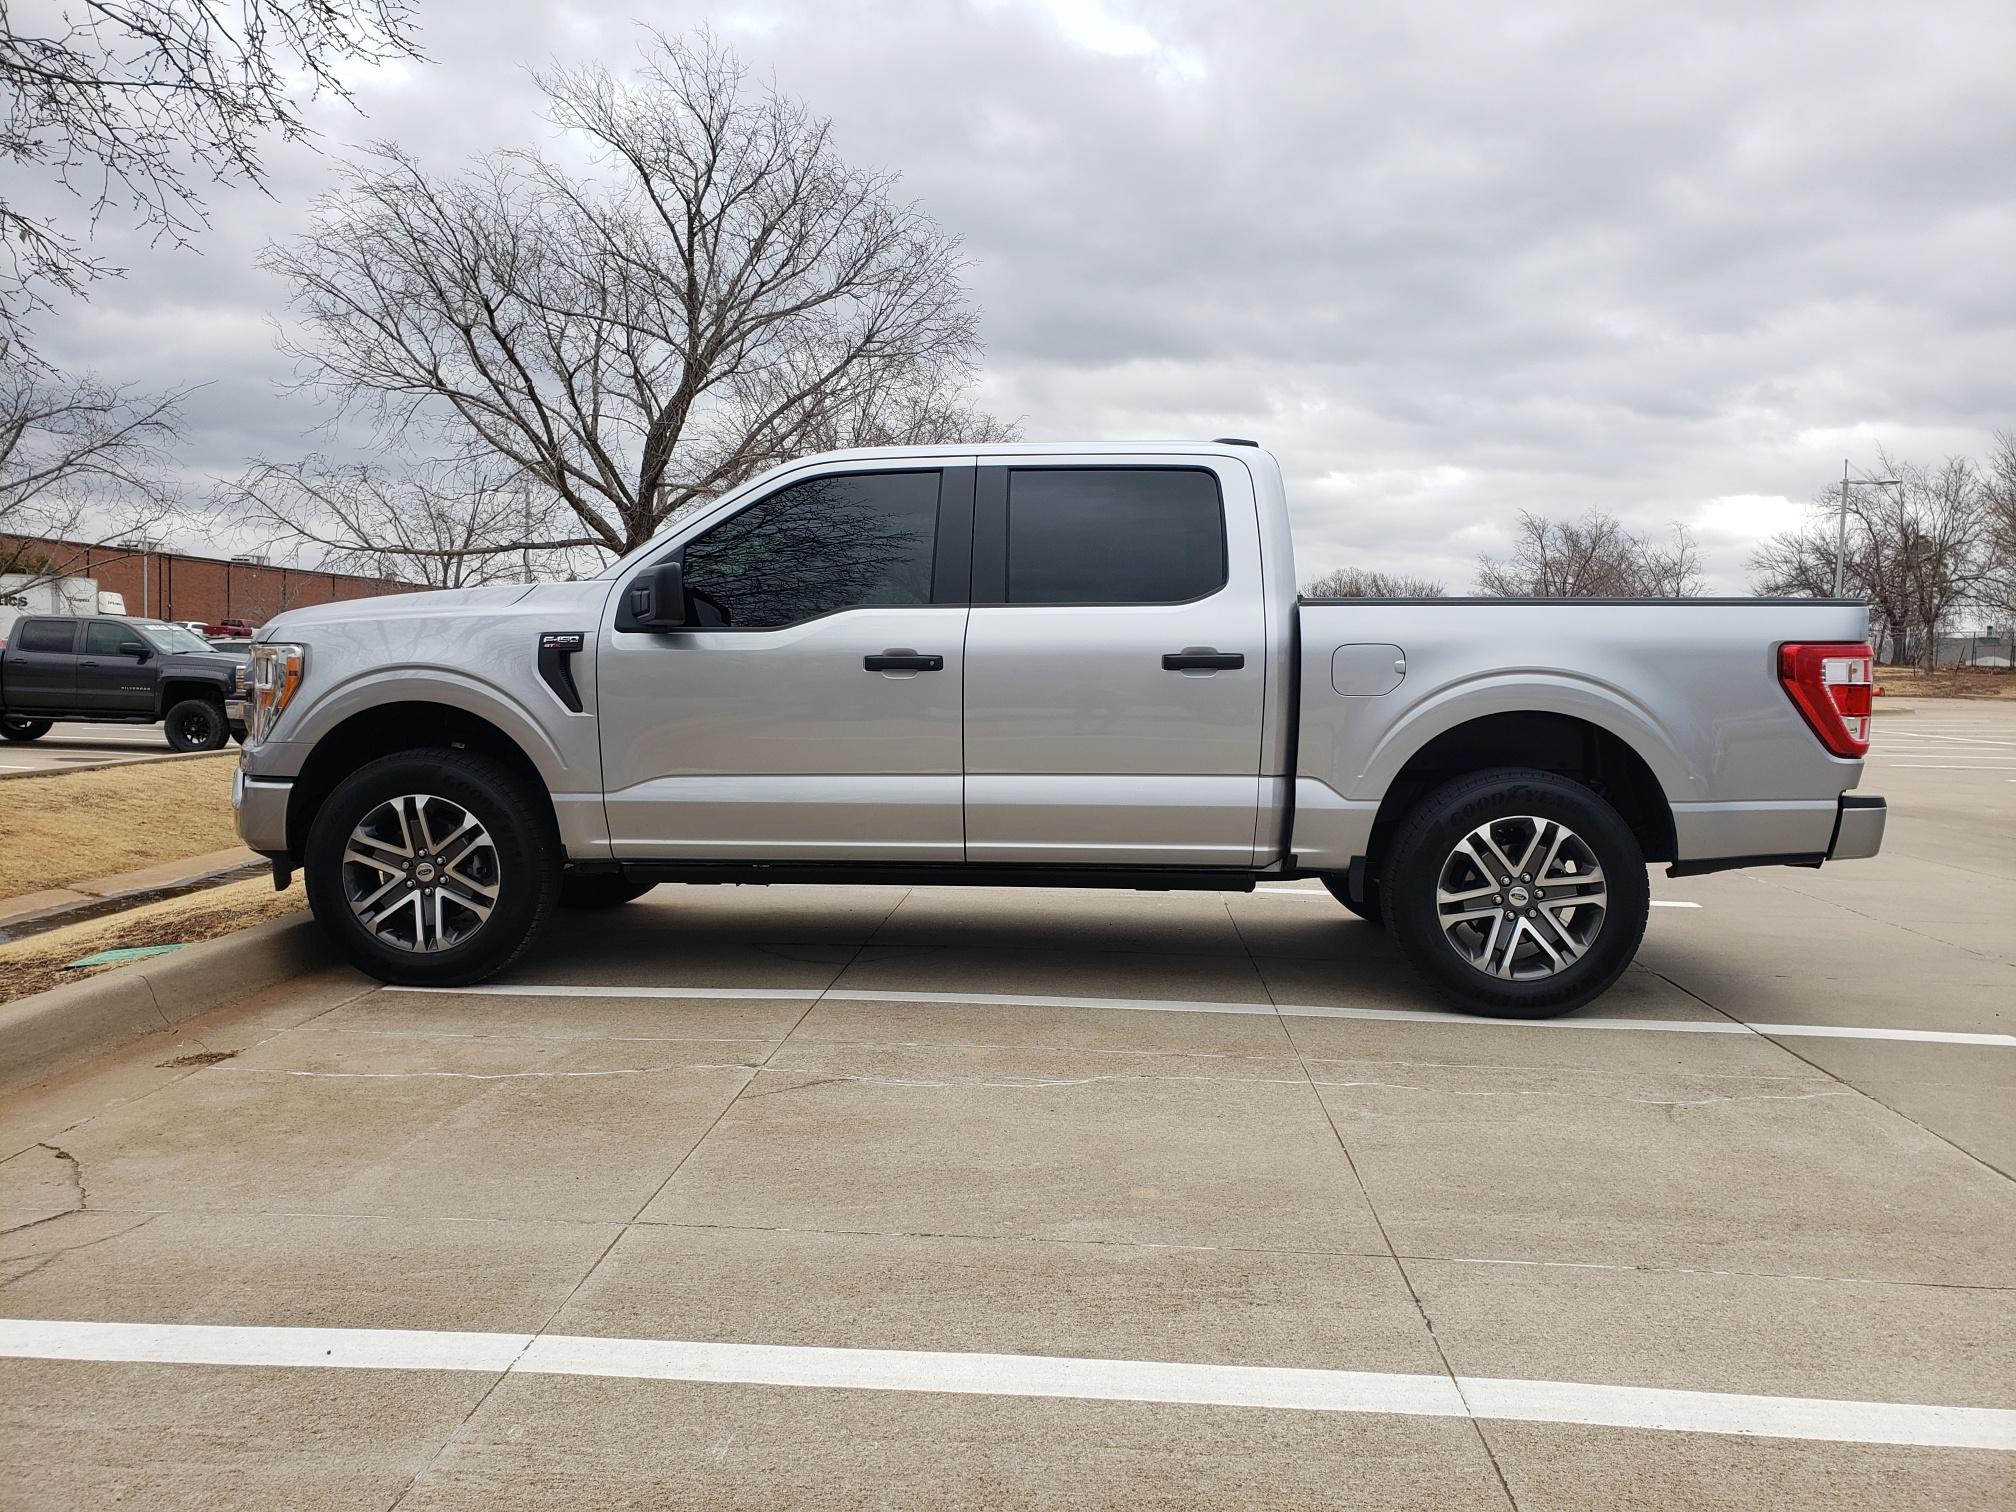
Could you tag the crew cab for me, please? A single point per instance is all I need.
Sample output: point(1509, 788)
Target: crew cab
point(1052, 665)
point(109, 670)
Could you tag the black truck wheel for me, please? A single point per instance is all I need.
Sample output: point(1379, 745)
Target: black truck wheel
point(21, 730)
point(433, 868)
point(197, 724)
point(1516, 893)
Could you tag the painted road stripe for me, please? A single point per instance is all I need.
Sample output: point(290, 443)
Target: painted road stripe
point(963, 1374)
point(1672, 903)
point(1165, 1005)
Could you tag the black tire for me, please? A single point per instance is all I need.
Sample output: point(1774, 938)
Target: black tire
point(21, 731)
point(1427, 842)
point(601, 892)
point(1367, 908)
point(238, 733)
point(527, 855)
point(197, 724)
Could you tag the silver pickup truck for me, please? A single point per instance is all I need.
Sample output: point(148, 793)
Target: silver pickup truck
point(1080, 666)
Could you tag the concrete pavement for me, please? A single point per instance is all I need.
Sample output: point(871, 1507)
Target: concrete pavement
point(1658, 1259)
point(70, 746)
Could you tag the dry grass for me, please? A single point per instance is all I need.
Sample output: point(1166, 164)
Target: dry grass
point(76, 826)
point(1948, 682)
point(34, 964)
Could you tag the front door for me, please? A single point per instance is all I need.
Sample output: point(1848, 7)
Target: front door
point(1115, 665)
point(811, 712)
point(111, 681)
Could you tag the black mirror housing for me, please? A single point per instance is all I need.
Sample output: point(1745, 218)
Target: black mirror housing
point(133, 648)
point(657, 597)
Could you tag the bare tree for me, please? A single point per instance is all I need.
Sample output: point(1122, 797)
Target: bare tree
point(1999, 498)
point(1593, 557)
point(78, 459)
point(725, 295)
point(1361, 582)
point(1918, 551)
point(445, 524)
point(131, 103)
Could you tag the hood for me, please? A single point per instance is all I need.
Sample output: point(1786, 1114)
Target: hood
point(222, 662)
point(392, 606)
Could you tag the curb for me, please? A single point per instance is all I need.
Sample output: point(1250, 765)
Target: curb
point(119, 761)
point(46, 1032)
point(52, 903)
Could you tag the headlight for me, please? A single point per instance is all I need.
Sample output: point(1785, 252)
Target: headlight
point(276, 675)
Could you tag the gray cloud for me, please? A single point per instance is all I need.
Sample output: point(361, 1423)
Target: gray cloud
point(1448, 261)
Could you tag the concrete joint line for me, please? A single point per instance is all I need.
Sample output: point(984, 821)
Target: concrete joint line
point(976, 1374)
point(1285, 1010)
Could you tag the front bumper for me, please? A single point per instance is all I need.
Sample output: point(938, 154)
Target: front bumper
point(1858, 827)
point(260, 807)
point(238, 711)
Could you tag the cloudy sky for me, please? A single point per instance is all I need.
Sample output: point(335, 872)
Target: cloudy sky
point(1448, 261)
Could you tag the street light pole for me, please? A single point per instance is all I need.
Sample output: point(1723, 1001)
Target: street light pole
point(1841, 528)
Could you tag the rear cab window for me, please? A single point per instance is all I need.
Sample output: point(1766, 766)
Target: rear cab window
point(47, 635)
point(1113, 535)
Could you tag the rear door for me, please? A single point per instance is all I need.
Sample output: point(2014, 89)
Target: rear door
point(41, 666)
point(109, 680)
point(1115, 666)
point(811, 712)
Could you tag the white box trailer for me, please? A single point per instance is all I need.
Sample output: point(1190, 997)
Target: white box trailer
point(27, 593)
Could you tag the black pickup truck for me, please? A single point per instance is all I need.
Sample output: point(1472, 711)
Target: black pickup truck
point(110, 670)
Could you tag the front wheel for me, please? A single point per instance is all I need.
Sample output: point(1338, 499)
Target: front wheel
point(22, 731)
point(196, 724)
point(432, 868)
point(1517, 894)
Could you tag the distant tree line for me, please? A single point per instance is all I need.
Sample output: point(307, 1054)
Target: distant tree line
point(1933, 549)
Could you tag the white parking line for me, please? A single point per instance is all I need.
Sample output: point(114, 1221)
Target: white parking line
point(1060, 1376)
point(1672, 903)
point(1160, 1005)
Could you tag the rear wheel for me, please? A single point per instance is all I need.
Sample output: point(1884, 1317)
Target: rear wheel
point(1517, 894)
point(432, 867)
point(1367, 907)
point(23, 730)
point(601, 892)
point(197, 724)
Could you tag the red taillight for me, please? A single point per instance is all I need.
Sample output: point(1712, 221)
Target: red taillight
point(1830, 683)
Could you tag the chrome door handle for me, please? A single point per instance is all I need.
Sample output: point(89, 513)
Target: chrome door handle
point(1203, 659)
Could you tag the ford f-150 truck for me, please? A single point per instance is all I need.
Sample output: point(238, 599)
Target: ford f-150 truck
point(1053, 665)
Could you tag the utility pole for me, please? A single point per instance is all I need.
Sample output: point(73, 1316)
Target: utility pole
point(1841, 530)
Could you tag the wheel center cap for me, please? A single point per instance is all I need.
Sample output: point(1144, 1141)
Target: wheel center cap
point(424, 872)
point(1518, 895)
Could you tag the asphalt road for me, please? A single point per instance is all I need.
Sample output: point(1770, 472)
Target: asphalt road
point(753, 1197)
point(76, 745)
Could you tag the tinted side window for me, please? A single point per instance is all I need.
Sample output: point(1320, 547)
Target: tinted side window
point(105, 637)
point(47, 635)
point(1113, 535)
point(853, 541)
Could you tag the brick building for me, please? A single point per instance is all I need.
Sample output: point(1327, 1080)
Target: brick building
point(173, 585)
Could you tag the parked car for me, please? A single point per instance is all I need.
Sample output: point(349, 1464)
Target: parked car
point(1053, 665)
point(108, 670)
point(228, 627)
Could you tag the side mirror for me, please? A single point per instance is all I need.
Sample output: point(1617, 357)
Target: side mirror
point(658, 597)
point(135, 649)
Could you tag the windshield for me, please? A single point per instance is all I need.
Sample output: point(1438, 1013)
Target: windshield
point(171, 637)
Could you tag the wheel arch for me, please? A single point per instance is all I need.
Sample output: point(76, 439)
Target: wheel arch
point(1565, 745)
point(178, 689)
point(403, 725)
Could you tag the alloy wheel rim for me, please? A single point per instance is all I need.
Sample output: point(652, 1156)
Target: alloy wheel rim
point(1521, 898)
point(421, 873)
